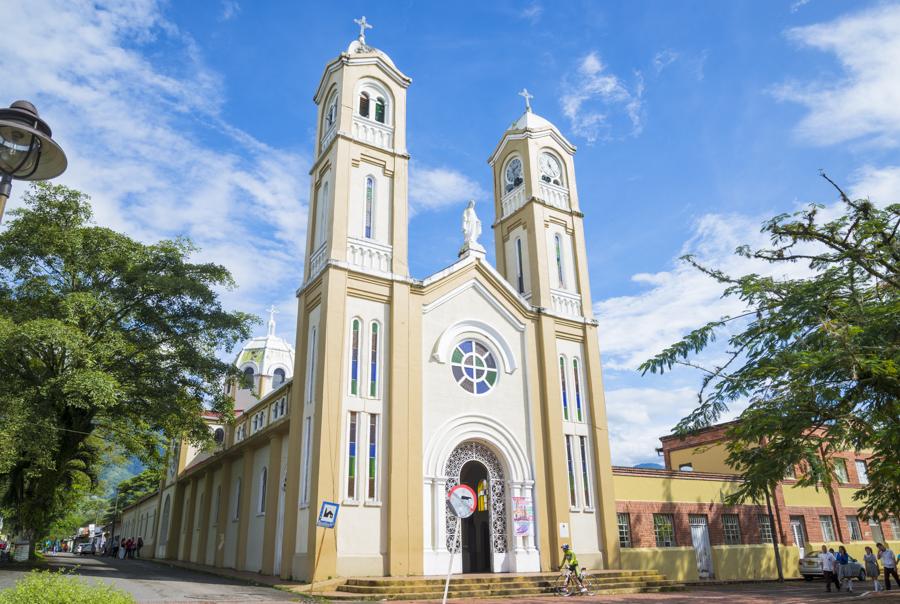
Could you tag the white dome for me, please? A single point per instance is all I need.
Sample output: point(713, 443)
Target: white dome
point(270, 357)
point(532, 121)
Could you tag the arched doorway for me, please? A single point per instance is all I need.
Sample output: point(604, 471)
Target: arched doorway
point(476, 529)
point(484, 533)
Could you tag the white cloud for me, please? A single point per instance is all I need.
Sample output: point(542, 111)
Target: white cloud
point(798, 4)
point(637, 417)
point(436, 188)
point(594, 98)
point(880, 185)
point(663, 59)
point(863, 103)
point(532, 12)
point(230, 9)
point(145, 138)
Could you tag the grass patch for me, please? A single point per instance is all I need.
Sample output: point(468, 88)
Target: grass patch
point(46, 587)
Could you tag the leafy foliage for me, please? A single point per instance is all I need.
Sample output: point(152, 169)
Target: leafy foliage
point(818, 358)
point(45, 587)
point(103, 339)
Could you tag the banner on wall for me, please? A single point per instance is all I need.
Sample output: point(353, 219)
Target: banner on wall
point(523, 516)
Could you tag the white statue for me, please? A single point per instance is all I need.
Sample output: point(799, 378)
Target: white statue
point(471, 228)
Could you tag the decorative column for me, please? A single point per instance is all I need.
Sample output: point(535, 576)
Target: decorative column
point(222, 518)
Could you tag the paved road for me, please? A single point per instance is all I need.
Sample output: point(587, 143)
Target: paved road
point(791, 592)
point(154, 583)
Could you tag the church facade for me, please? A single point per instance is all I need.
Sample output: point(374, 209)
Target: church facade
point(402, 388)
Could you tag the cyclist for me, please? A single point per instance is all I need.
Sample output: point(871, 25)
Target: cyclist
point(570, 560)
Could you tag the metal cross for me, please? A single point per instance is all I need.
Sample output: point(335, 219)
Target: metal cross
point(363, 26)
point(527, 96)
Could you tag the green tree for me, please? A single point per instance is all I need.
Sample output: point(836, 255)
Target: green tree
point(816, 358)
point(102, 339)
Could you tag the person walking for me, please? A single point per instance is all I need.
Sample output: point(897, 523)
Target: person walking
point(843, 560)
point(871, 563)
point(828, 564)
point(889, 562)
point(140, 544)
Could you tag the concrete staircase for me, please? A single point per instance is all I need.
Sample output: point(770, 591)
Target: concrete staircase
point(495, 585)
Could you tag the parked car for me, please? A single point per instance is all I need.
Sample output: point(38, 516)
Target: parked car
point(84, 549)
point(811, 567)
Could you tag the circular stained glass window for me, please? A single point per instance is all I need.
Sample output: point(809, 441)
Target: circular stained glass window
point(474, 367)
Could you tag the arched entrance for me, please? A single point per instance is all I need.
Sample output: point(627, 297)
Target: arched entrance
point(484, 533)
point(476, 529)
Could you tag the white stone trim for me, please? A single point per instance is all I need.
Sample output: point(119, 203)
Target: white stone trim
point(443, 348)
point(482, 290)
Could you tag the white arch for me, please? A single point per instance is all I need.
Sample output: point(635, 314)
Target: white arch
point(482, 428)
point(443, 348)
point(375, 88)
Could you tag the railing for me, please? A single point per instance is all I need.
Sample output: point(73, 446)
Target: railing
point(369, 255)
point(557, 197)
point(317, 261)
point(513, 200)
point(373, 133)
point(566, 303)
point(329, 136)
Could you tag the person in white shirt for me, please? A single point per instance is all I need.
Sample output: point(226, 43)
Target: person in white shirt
point(889, 562)
point(828, 561)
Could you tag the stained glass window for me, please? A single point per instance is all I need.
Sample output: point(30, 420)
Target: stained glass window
point(474, 367)
point(564, 383)
point(370, 204)
point(351, 456)
point(379, 110)
point(577, 371)
point(373, 457)
point(307, 447)
point(354, 357)
point(373, 362)
point(263, 477)
point(585, 475)
point(570, 464)
point(520, 273)
point(557, 244)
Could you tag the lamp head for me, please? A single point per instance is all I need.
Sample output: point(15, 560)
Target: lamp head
point(27, 151)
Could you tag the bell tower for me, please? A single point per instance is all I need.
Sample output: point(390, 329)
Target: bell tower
point(540, 250)
point(358, 210)
point(540, 236)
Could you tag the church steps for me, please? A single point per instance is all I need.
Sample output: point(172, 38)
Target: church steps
point(492, 585)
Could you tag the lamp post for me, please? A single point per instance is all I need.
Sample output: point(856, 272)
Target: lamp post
point(26, 150)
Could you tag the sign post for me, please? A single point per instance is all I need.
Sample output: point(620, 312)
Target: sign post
point(462, 501)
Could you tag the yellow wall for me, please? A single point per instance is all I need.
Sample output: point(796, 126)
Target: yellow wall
point(847, 494)
point(805, 497)
point(730, 562)
point(653, 488)
point(707, 458)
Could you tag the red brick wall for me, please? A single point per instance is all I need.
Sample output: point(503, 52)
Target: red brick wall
point(641, 518)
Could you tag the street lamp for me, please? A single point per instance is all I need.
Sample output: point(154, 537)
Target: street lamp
point(26, 150)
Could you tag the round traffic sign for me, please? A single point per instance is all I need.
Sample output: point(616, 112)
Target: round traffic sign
point(462, 500)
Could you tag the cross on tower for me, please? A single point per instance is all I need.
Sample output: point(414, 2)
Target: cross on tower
point(363, 26)
point(272, 310)
point(527, 96)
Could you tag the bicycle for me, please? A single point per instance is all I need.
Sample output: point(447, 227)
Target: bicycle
point(566, 586)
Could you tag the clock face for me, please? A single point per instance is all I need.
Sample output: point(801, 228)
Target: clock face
point(514, 172)
point(550, 168)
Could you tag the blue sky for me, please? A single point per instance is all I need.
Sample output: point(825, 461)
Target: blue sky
point(694, 121)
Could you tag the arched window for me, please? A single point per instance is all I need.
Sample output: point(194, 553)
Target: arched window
point(278, 377)
point(557, 248)
point(564, 383)
point(370, 207)
point(577, 377)
point(364, 104)
point(355, 326)
point(263, 477)
point(248, 378)
point(379, 110)
point(236, 513)
point(311, 374)
point(164, 528)
point(520, 272)
point(322, 218)
point(373, 361)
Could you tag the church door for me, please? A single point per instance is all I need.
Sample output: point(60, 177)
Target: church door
point(476, 529)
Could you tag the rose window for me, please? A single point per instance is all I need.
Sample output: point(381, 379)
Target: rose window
point(474, 367)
